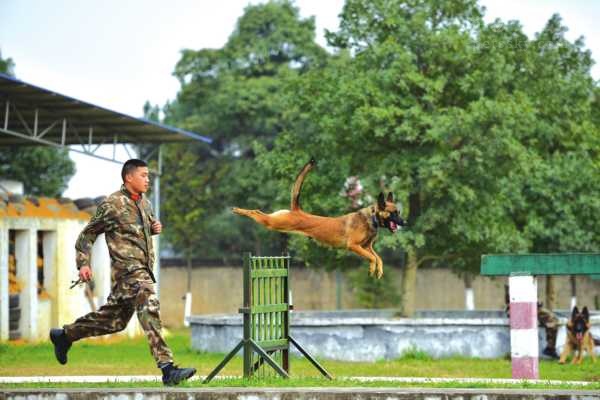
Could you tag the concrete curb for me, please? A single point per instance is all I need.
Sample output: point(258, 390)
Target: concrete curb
point(298, 393)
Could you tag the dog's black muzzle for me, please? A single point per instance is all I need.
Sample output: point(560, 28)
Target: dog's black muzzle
point(394, 222)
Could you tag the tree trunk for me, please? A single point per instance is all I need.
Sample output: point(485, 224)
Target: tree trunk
point(550, 302)
point(187, 308)
point(469, 295)
point(573, 291)
point(409, 281)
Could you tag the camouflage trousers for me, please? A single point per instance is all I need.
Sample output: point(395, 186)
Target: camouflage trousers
point(548, 320)
point(133, 292)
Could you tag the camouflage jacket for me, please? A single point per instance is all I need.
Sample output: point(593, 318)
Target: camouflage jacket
point(127, 226)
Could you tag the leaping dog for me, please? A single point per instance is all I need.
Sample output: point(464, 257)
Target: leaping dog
point(355, 231)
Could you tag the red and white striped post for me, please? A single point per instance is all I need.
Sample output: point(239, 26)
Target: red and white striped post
point(523, 326)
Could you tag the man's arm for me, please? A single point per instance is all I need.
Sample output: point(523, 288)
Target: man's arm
point(101, 222)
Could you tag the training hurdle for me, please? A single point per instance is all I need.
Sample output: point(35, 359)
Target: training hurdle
point(266, 316)
point(522, 271)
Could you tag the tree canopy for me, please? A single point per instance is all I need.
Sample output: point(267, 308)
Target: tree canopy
point(474, 126)
point(487, 137)
point(236, 96)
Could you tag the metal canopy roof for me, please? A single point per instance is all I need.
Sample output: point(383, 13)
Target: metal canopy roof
point(33, 115)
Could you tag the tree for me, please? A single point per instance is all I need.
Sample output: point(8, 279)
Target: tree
point(44, 171)
point(234, 95)
point(7, 65)
point(453, 116)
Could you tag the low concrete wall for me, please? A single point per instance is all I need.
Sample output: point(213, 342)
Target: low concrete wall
point(299, 393)
point(315, 289)
point(369, 336)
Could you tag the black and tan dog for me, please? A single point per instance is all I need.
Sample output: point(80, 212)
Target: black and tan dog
point(355, 231)
point(579, 337)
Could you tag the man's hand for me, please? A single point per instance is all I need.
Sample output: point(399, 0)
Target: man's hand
point(156, 227)
point(85, 273)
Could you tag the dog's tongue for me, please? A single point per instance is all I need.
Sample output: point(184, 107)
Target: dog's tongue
point(393, 226)
point(579, 336)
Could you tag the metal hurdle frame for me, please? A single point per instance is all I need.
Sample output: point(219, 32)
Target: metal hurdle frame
point(266, 313)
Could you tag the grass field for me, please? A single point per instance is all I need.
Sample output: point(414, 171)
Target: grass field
point(132, 357)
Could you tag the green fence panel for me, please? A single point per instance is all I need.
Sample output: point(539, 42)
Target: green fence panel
point(266, 315)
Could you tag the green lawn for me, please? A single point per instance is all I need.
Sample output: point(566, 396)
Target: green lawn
point(132, 357)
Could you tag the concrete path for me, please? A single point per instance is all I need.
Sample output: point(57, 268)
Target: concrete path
point(296, 394)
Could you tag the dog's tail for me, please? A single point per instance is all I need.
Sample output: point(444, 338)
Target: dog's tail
point(295, 206)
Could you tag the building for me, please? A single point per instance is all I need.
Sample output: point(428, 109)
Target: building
point(37, 265)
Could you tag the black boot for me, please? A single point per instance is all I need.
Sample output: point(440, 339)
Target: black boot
point(551, 352)
point(62, 344)
point(172, 374)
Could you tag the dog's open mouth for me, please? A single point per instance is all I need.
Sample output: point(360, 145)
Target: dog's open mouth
point(579, 336)
point(393, 227)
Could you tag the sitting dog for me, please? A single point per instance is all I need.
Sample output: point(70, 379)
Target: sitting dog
point(579, 337)
point(355, 231)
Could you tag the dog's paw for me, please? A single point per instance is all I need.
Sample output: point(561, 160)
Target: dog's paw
point(372, 270)
point(379, 273)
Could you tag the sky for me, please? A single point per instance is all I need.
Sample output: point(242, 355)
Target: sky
point(119, 54)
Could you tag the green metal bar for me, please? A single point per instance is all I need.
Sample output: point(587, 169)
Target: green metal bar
point(286, 315)
point(263, 302)
point(258, 301)
point(268, 359)
point(270, 295)
point(541, 264)
point(248, 298)
point(267, 300)
point(224, 362)
point(310, 358)
point(260, 361)
point(274, 343)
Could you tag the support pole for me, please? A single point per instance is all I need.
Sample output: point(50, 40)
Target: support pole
point(524, 346)
point(26, 257)
point(157, 215)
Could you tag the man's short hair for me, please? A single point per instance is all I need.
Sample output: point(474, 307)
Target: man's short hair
point(131, 165)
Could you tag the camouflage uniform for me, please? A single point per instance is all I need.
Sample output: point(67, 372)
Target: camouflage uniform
point(127, 226)
point(548, 320)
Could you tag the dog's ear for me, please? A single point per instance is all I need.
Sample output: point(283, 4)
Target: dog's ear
point(586, 314)
point(390, 197)
point(381, 201)
point(575, 312)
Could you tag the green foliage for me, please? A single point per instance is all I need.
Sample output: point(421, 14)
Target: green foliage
point(44, 171)
point(413, 353)
point(7, 65)
point(461, 120)
point(489, 139)
point(375, 293)
point(235, 96)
